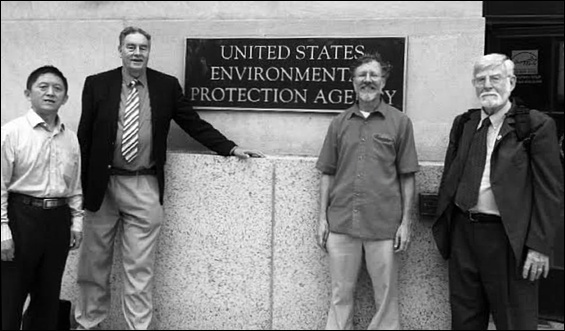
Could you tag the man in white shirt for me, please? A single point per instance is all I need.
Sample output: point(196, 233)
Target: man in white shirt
point(41, 203)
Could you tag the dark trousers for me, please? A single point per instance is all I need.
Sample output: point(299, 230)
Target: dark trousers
point(484, 279)
point(41, 240)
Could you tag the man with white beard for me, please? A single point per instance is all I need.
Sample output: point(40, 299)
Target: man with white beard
point(368, 164)
point(499, 204)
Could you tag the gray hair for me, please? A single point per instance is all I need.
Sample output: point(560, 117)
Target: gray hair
point(491, 61)
point(132, 29)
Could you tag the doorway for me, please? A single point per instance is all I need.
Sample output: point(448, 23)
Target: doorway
point(531, 34)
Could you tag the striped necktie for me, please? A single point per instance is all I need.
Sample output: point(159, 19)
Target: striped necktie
point(130, 135)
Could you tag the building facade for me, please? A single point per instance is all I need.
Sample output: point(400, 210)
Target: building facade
point(237, 250)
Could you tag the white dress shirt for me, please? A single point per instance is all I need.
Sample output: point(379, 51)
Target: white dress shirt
point(487, 203)
point(40, 163)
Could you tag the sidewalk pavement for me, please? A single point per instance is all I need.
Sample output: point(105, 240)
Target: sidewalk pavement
point(542, 325)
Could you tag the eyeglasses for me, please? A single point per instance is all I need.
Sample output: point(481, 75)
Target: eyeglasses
point(372, 76)
point(494, 80)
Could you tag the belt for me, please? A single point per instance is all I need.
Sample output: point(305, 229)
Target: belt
point(123, 172)
point(481, 218)
point(45, 203)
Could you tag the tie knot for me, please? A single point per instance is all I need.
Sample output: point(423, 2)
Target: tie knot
point(486, 123)
point(133, 83)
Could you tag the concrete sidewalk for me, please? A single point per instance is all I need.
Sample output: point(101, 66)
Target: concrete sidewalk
point(543, 325)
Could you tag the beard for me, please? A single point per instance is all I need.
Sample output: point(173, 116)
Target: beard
point(492, 100)
point(368, 94)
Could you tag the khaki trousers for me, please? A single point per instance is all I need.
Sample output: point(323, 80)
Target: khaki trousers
point(345, 254)
point(131, 209)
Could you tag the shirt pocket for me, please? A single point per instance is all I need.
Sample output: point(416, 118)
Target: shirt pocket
point(383, 147)
point(68, 164)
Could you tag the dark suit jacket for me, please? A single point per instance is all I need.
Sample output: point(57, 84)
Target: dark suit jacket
point(99, 122)
point(528, 188)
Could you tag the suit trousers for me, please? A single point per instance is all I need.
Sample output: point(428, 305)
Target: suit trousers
point(484, 279)
point(41, 242)
point(345, 256)
point(131, 213)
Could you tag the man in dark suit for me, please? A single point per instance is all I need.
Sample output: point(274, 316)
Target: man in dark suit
point(126, 114)
point(499, 204)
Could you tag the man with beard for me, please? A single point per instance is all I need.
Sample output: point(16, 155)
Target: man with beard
point(368, 162)
point(499, 202)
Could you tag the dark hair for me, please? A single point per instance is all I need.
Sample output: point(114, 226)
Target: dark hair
point(133, 29)
point(48, 69)
point(386, 67)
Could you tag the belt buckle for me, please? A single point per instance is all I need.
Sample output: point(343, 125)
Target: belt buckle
point(470, 216)
point(49, 203)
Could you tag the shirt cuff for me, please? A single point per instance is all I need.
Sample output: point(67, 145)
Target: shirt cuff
point(326, 169)
point(77, 224)
point(6, 232)
point(232, 150)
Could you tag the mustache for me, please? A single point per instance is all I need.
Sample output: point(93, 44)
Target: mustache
point(489, 93)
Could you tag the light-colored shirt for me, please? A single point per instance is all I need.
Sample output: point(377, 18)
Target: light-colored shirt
point(144, 158)
point(366, 156)
point(486, 203)
point(40, 163)
point(365, 113)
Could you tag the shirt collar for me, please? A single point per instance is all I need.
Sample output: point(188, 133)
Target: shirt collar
point(34, 120)
point(497, 118)
point(382, 109)
point(127, 78)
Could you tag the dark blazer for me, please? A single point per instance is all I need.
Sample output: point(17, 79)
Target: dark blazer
point(528, 188)
point(99, 123)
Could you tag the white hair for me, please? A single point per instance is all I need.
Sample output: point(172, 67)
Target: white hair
point(494, 60)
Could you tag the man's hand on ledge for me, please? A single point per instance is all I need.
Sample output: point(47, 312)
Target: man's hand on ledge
point(243, 153)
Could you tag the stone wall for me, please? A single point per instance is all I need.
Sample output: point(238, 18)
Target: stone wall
point(237, 251)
